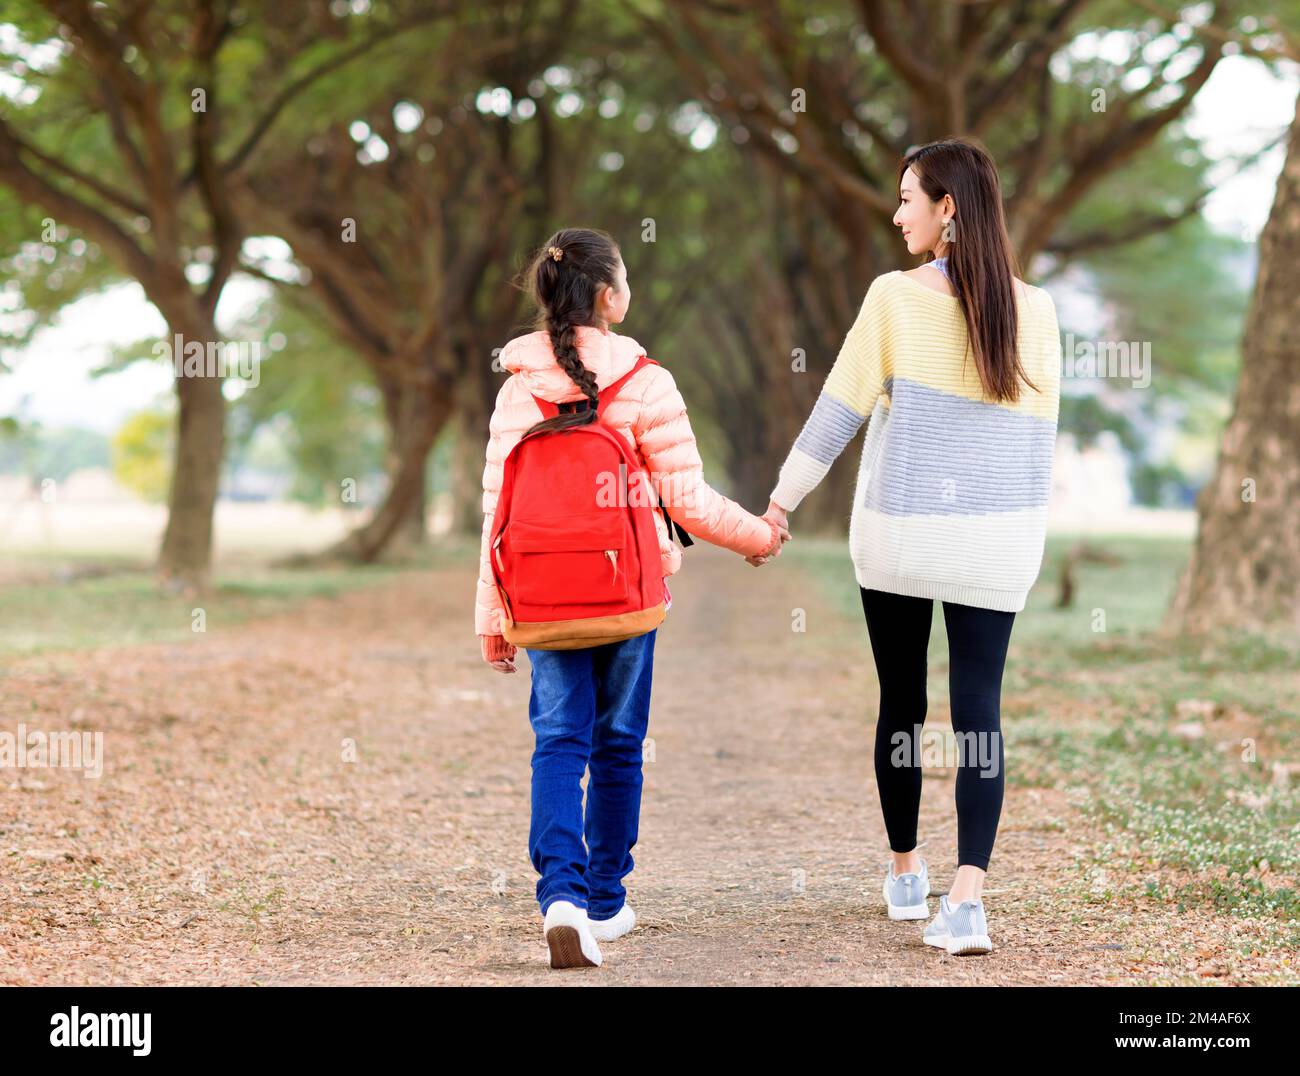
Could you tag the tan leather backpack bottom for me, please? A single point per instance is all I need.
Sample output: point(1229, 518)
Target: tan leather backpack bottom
point(588, 631)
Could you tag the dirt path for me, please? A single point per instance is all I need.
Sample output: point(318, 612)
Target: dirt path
point(230, 842)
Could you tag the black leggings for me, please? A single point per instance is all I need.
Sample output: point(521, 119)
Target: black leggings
point(899, 626)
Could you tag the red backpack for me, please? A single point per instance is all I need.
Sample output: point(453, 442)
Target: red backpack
point(574, 550)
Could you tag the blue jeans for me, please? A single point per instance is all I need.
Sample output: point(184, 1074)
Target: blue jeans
point(588, 707)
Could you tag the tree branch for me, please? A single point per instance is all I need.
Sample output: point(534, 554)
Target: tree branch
point(1091, 162)
point(113, 197)
point(991, 104)
point(1151, 224)
point(924, 80)
point(267, 120)
point(818, 168)
point(210, 31)
point(37, 189)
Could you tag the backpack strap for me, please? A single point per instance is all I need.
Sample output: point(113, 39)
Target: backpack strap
point(611, 390)
point(673, 525)
point(550, 409)
point(608, 393)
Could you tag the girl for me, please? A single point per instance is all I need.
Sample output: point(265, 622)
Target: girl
point(951, 501)
point(591, 707)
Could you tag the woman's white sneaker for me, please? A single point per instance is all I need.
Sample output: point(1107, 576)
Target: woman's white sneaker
point(905, 893)
point(609, 929)
point(568, 935)
point(963, 930)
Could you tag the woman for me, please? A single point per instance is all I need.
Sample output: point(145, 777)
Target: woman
point(951, 498)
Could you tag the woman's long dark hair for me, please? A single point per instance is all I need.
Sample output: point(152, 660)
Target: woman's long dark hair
point(565, 291)
point(981, 263)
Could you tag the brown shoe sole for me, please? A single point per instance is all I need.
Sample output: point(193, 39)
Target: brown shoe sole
point(566, 948)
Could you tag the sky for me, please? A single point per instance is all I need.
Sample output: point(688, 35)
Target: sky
point(1242, 107)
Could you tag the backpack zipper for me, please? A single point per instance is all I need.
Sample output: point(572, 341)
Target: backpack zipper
point(612, 554)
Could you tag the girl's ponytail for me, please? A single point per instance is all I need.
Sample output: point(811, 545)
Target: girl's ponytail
point(564, 278)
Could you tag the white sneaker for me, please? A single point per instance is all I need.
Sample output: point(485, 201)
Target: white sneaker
point(609, 929)
point(568, 934)
point(963, 930)
point(905, 893)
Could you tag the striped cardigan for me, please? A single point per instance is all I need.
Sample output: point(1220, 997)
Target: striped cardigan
point(952, 489)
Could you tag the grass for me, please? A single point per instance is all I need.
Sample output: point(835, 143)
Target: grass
point(64, 610)
point(1166, 743)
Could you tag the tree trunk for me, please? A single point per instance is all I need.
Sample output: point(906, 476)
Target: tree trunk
point(413, 530)
point(1245, 566)
point(185, 557)
point(475, 400)
point(410, 531)
point(421, 414)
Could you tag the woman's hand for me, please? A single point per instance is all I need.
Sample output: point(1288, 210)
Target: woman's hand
point(498, 653)
point(779, 516)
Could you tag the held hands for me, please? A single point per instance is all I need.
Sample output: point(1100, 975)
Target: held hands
point(776, 516)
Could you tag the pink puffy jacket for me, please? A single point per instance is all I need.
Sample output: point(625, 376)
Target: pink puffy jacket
point(648, 411)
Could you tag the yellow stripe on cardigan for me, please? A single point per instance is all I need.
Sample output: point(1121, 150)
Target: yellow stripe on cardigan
point(868, 356)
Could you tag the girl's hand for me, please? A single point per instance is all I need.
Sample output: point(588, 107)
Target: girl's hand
point(780, 536)
point(498, 653)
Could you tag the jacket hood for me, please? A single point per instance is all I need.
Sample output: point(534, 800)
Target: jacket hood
point(606, 354)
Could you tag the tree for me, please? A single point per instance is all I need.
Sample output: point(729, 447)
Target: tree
point(402, 217)
point(133, 141)
point(408, 220)
point(1245, 565)
point(394, 272)
point(825, 101)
